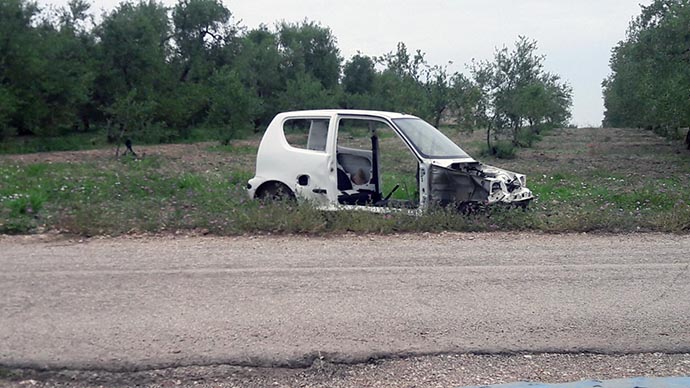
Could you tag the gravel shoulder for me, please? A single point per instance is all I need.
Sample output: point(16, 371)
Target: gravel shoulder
point(433, 371)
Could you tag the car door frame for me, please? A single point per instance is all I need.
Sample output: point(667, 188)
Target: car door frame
point(422, 181)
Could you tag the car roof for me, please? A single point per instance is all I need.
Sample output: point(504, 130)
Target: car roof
point(317, 112)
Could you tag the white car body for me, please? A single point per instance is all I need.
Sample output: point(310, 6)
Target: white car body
point(336, 177)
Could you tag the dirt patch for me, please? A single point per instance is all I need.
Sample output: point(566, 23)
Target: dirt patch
point(168, 150)
point(622, 151)
point(196, 157)
point(630, 152)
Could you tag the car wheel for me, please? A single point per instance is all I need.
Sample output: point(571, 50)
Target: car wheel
point(275, 192)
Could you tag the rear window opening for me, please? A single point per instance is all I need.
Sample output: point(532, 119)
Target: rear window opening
point(307, 134)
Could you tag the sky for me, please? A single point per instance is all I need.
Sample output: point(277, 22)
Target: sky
point(575, 36)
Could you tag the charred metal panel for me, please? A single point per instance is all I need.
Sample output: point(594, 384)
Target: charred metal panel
point(478, 183)
point(449, 186)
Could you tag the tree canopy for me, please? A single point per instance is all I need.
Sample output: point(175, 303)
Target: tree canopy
point(649, 85)
point(515, 90)
point(155, 72)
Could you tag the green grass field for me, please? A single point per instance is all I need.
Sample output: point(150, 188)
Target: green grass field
point(604, 180)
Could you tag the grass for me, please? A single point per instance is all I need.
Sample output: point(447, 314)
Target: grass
point(142, 196)
point(71, 142)
point(502, 149)
point(95, 139)
point(575, 204)
point(634, 181)
point(235, 149)
point(119, 196)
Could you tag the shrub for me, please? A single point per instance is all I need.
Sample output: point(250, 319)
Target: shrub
point(502, 149)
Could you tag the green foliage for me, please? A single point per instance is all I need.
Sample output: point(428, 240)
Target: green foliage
point(465, 102)
point(231, 105)
point(516, 90)
point(133, 50)
point(21, 63)
point(45, 76)
point(649, 77)
point(130, 117)
point(308, 48)
point(201, 30)
point(183, 108)
point(67, 83)
point(399, 86)
point(438, 93)
point(67, 142)
point(305, 92)
point(406, 83)
point(154, 73)
point(527, 137)
point(358, 75)
point(259, 65)
point(395, 93)
point(7, 109)
point(501, 149)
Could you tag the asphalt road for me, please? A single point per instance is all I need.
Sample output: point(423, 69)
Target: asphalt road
point(138, 303)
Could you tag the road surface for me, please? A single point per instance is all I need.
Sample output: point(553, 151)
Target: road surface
point(127, 304)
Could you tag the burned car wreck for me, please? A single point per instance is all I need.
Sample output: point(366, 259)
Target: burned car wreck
point(461, 183)
point(333, 158)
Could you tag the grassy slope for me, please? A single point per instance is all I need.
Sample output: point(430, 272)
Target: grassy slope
point(586, 179)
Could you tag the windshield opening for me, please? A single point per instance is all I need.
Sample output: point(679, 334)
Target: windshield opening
point(429, 141)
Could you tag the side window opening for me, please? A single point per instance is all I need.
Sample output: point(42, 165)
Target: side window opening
point(372, 161)
point(308, 134)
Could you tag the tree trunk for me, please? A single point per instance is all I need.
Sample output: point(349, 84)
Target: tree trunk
point(492, 151)
point(85, 122)
point(185, 73)
point(516, 129)
point(437, 116)
point(122, 134)
point(110, 132)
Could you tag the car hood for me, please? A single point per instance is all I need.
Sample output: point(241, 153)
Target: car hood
point(447, 163)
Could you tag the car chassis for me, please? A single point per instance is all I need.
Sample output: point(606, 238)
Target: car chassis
point(333, 176)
